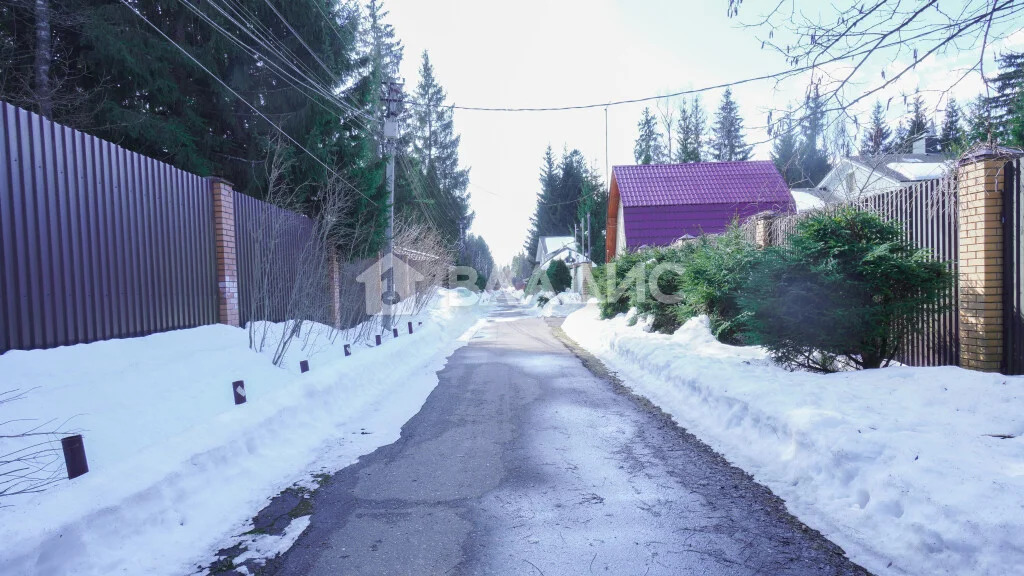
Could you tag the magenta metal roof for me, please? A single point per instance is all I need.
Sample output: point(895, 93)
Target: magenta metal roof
point(702, 183)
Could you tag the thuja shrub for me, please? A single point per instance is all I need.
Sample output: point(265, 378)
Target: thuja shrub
point(671, 285)
point(714, 270)
point(844, 293)
point(559, 276)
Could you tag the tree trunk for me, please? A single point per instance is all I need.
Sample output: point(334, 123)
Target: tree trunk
point(43, 91)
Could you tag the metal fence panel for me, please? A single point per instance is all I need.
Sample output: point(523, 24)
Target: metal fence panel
point(97, 242)
point(271, 243)
point(1013, 272)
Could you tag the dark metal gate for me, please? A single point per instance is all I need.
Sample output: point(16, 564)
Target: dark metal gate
point(1013, 272)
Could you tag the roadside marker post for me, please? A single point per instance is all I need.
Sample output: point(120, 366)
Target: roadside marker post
point(377, 337)
point(410, 327)
point(348, 350)
point(304, 366)
point(74, 456)
point(395, 332)
point(238, 387)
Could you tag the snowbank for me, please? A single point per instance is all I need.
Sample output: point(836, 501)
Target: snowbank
point(175, 467)
point(902, 467)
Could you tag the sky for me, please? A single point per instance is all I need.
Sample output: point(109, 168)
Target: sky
point(570, 52)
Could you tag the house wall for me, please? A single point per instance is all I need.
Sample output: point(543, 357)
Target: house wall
point(620, 232)
point(662, 225)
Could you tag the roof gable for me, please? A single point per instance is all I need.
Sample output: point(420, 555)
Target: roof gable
point(701, 183)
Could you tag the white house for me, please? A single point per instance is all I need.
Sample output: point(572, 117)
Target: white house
point(566, 249)
point(557, 248)
point(858, 176)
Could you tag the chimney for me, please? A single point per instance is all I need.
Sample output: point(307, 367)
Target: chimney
point(926, 144)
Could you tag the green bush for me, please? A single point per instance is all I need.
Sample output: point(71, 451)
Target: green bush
point(542, 301)
point(845, 292)
point(715, 269)
point(559, 276)
point(702, 276)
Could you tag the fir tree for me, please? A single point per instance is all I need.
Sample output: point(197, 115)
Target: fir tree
point(784, 151)
point(979, 121)
point(915, 129)
point(952, 136)
point(691, 128)
point(436, 147)
point(727, 139)
point(877, 136)
point(812, 159)
point(649, 147)
point(1005, 103)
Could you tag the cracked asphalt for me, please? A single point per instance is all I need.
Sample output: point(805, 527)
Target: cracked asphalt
point(523, 461)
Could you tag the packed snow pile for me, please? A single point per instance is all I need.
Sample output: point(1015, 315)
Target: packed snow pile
point(910, 470)
point(175, 466)
point(562, 305)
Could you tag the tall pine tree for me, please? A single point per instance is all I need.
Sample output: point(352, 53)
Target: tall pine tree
point(785, 150)
point(436, 147)
point(813, 160)
point(691, 130)
point(952, 137)
point(728, 142)
point(650, 146)
point(878, 135)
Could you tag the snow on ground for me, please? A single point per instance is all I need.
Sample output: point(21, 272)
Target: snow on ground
point(902, 467)
point(557, 305)
point(175, 467)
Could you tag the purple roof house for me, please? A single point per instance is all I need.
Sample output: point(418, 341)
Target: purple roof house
point(657, 204)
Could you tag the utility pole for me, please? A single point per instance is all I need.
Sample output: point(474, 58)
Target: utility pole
point(590, 238)
point(393, 99)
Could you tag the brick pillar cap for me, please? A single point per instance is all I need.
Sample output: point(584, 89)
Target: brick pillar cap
point(982, 152)
point(219, 180)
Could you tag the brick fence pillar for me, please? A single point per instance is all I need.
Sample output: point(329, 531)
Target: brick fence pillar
point(334, 285)
point(980, 264)
point(763, 229)
point(227, 256)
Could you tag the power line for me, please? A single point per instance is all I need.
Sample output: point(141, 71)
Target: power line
point(244, 101)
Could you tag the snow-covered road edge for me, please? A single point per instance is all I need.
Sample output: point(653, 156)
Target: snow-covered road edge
point(168, 508)
point(894, 466)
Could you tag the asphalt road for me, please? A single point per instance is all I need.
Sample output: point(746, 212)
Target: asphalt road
point(522, 461)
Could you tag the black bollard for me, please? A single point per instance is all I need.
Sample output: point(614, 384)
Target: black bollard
point(395, 332)
point(378, 339)
point(348, 350)
point(239, 389)
point(304, 366)
point(74, 456)
point(410, 327)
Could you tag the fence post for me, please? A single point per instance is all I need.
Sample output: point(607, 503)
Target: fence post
point(226, 251)
point(334, 285)
point(763, 229)
point(980, 263)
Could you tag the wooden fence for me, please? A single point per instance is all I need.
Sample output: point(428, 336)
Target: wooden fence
point(928, 213)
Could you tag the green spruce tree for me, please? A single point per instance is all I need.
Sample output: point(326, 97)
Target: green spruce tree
point(952, 137)
point(728, 142)
point(877, 137)
point(691, 130)
point(650, 146)
point(812, 159)
point(785, 150)
point(436, 147)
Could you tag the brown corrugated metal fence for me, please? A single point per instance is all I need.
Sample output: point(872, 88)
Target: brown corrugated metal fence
point(97, 242)
point(272, 243)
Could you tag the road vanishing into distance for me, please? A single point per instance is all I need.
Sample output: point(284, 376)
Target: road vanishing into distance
point(523, 461)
